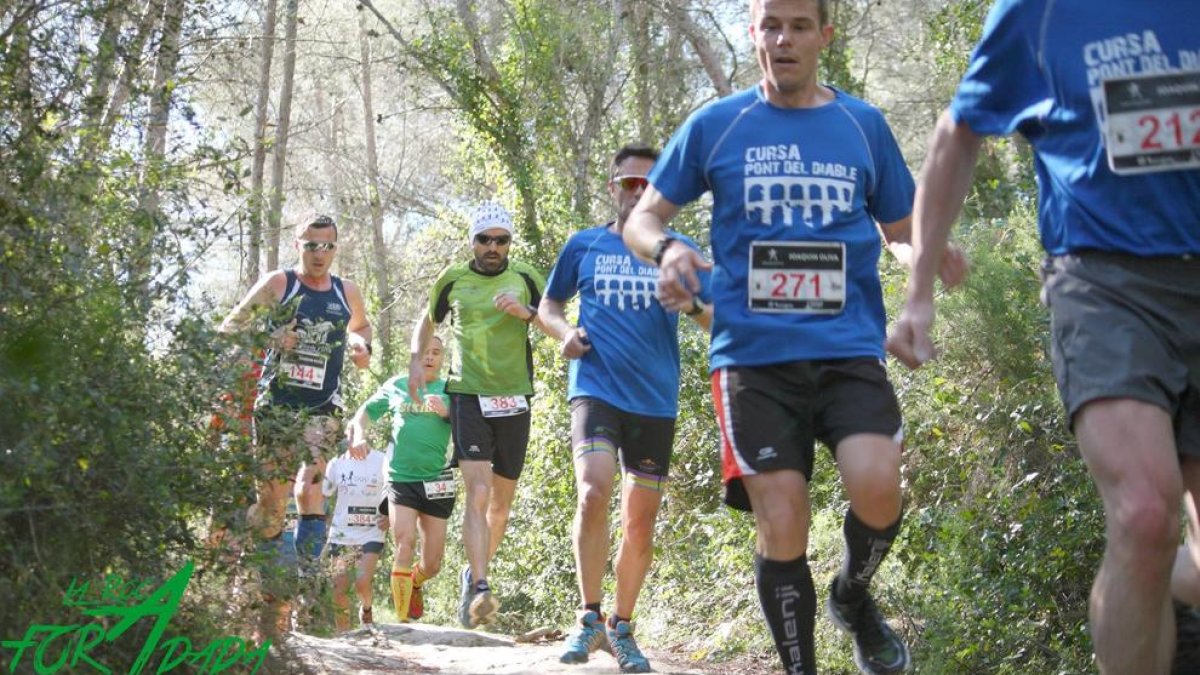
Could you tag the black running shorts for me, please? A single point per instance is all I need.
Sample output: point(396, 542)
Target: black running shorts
point(643, 444)
point(770, 416)
point(500, 440)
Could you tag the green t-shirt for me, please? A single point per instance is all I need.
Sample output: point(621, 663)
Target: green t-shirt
point(420, 437)
point(492, 354)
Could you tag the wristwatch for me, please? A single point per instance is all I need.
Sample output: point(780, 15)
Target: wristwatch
point(660, 248)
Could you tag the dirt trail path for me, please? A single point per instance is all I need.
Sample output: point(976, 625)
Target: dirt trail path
point(420, 648)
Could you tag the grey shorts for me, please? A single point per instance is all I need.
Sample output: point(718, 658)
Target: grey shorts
point(1127, 327)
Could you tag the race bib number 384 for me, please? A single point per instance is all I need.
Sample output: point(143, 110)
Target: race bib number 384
point(1153, 122)
point(798, 277)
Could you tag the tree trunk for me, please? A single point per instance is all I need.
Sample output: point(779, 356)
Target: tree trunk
point(155, 148)
point(641, 71)
point(261, 107)
point(104, 66)
point(598, 89)
point(132, 65)
point(679, 20)
point(374, 203)
point(279, 151)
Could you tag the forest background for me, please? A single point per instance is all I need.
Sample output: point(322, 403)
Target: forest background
point(152, 153)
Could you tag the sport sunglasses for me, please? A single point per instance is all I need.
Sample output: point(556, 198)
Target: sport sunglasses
point(486, 240)
point(318, 245)
point(631, 183)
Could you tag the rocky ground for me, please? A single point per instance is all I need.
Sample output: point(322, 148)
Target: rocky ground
point(421, 648)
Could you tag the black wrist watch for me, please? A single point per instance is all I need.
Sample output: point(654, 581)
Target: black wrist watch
point(660, 248)
point(697, 308)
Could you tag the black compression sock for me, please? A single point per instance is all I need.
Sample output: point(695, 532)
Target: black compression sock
point(866, 547)
point(593, 606)
point(789, 603)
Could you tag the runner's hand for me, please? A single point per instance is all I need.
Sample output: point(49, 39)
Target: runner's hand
point(285, 338)
point(416, 378)
point(436, 404)
point(909, 340)
point(508, 303)
point(357, 441)
point(359, 353)
point(575, 344)
point(677, 275)
point(954, 266)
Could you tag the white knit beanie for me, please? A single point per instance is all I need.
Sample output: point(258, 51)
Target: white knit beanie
point(490, 215)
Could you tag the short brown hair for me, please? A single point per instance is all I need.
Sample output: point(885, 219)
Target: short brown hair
point(316, 221)
point(822, 10)
point(632, 150)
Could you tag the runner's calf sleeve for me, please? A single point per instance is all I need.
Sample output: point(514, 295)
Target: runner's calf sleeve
point(789, 603)
point(402, 585)
point(866, 548)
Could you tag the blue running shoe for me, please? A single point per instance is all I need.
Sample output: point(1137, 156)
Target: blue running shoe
point(464, 602)
point(587, 636)
point(625, 649)
point(877, 648)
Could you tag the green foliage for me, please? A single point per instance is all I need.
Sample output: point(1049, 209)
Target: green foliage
point(108, 372)
point(1004, 529)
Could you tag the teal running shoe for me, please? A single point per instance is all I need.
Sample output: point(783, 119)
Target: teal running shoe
point(588, 636)
point(625, 648)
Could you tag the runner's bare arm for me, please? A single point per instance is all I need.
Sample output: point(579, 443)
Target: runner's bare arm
point(945, 181)
point(265, 292)
point(645, 229)
point(356, 436)
point(554, 322)
point(705, 317)
point(358, 331)
point(422, 334)
point(647, 223)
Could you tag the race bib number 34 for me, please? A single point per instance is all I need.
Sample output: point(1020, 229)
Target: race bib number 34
point(440, 488)
point(798, 277)
point(503, 406)
point(1153, 122)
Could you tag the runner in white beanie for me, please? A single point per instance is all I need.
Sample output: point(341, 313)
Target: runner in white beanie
point(490, 215)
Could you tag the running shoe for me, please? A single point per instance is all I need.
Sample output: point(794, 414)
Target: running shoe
point(587, 636)
point(625, 648)
point(483, 606)
point(877, 648)
point(464, 601)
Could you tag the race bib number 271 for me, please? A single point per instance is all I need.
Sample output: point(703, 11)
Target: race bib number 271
point(797, 277)
point(1153, 122)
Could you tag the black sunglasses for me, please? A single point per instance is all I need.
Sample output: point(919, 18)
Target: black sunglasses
point(500, 239)
point(631, 183)
point(318, 245)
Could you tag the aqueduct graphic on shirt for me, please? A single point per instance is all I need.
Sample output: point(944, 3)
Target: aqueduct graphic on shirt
point(815, 198)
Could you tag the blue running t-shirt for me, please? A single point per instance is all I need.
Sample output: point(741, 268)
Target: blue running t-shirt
point(633, 364)
point(799, 190)
point(1108, 94)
